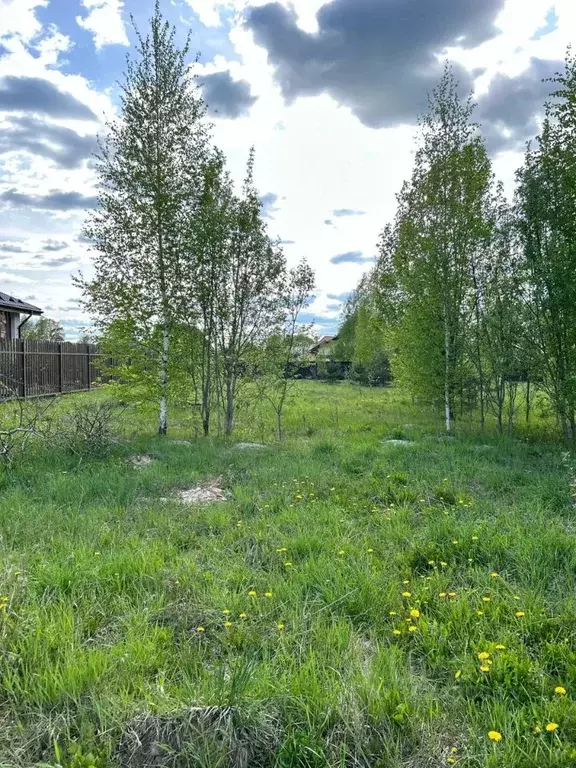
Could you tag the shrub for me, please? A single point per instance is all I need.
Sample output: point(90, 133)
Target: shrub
point(90, 429)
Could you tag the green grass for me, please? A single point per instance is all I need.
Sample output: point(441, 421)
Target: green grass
point(105, 588)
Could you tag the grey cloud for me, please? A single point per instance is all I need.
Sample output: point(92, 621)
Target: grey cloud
point(343, 212)
point(351, 257)
point(378, 57)
point(53, 201)
point(62, 261)
point(287, 242)
point(53, 246)
point(338, 296)
point(33, 94)
point(509, 110)
point(226, 97)
point(62, 145)
point(83, 239)
point(11, 248)
point(269, 201)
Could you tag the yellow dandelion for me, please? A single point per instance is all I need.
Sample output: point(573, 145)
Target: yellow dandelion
point(226, 612)
point(442, 594)
point(484, 668)
point(487, 599)
point(370, 550)
point(288, 565)
point(560, 690)
point(412, 628)
point(396, 632)
point(282, 549)
point(454, 750)
point(298, 498)
point(551, 727)
point(252, 593)
point(393, 613)
point(227, 623)
point(494, 575)
point(474, 538)
point(406, 594)
point(341, 552)
point(267, 594)
point(483, 655)
point(451, 760)
point(500, 647)
point(519, 614)
point(443, 564)
point(200, 629)
point(243, 615)
point(406, 581)
point(280, 626)
point(494, 736)
point(415, 613)
point(451, 594)
point(479, 613)
point(455, 541)
point(458, 674)
point(431, 562)
point(537, 730)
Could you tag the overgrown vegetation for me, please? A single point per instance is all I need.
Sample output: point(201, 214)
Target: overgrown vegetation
point(354, 601)
point(472, 298)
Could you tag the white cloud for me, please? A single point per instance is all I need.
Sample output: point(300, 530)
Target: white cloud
point(17, 17)
point(105, 22)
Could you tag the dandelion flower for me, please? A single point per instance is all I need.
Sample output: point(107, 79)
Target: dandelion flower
point(494, 575)
point(370, 550)
point(451, 594)
point(455, 541)
point(443, 564)
point(226, 612)
point(396, 632)
point(494, 736)
point(298, 498)
point(454, 750)
point(288, 565)
point(415, 613)
point(451, 760)
point(200, 629)
point(484, 655)
point(500, 647)
point(243, 615)
point(412, 628)
point(227, 623)
point(406, 581)
point(282, 549)
point(393, 613)
point(474, 538)
point(551, 727)
point(280, 626)
point(560, 690)
point(406, 594)
point(431, 562)
point(484, 668)
point(458, 674)
point(442, 594)
point(341, 552)
point(479, 613)
point(487, 599)
point(267, 594)
point(537, 729)
point(519, 614)
point(252, 593)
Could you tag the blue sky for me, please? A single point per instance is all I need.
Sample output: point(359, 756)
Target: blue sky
point(327, 90)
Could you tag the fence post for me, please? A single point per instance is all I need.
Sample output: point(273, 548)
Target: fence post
point(60, 369)
point(88, 364)
point(23, 367)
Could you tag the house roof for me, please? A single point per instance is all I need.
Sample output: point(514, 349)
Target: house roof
point(322, 341)
point(12, 304)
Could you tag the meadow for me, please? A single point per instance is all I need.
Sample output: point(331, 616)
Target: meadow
point(369, 594)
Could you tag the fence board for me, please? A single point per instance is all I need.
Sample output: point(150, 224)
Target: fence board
point(42, 368)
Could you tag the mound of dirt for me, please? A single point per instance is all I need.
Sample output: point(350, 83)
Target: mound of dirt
point(204, 493)
point(140, 461)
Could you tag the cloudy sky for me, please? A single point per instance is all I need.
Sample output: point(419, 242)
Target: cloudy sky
point(327, 90)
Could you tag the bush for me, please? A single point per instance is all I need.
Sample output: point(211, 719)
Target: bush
point(90, 429)
point(375, 373)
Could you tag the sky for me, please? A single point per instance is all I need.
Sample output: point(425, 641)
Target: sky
point(328, 91)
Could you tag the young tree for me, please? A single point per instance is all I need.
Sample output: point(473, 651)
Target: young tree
point(246, 299)
point(149, 167)
point(281, 354)
point(44, 329)
point(546, 206)
point(440, 224)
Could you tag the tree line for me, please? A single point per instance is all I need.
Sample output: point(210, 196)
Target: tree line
point(472, 295)
point(189, 291)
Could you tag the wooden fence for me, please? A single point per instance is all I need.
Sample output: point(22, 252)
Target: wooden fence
point(42, 368)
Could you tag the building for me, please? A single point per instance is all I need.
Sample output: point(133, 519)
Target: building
point(323, 348)
point(14, 314)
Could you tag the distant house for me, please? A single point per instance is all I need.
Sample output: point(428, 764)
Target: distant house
point(323, 347)
point(14, 313)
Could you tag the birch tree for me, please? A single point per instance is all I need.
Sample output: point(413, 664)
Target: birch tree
point(149, 169)
point(440, 223)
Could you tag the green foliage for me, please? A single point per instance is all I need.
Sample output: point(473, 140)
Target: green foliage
point(43, 329)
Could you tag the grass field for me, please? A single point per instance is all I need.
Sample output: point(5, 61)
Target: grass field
point(354, 603)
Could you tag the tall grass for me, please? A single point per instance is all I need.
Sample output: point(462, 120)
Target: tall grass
point(336, 611)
